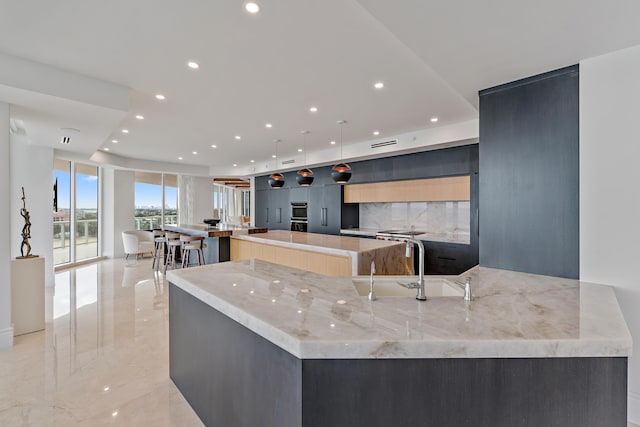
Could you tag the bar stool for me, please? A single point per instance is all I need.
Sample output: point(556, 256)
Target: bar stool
point(189, 244)
point(173, 243)
point(158, 252)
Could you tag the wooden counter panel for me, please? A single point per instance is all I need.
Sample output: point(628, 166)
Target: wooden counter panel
point(332, 265)
point(453, 188)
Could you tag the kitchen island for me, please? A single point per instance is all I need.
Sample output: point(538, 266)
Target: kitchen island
point(323, 253)
point(254, 343)
point(216, 238)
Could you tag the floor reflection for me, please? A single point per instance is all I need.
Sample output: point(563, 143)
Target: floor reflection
point(103, 357)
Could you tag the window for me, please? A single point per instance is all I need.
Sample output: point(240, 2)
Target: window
point(170, 214)
point(61, 211)
point(153, 205)
point(75, 211)
point(86, 212)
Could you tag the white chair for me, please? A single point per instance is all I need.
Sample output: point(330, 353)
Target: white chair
point(137, 242)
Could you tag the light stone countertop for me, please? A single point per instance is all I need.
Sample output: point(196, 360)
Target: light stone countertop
point(514, 315)
point(220, 230)
point(325, 243)
point(458, 238)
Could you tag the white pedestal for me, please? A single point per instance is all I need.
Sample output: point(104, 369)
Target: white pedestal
point(27, 295)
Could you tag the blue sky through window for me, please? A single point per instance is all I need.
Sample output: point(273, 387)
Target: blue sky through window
point(86, 193)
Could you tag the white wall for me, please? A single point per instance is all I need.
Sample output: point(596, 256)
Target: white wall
point(32, 168)
point(195, 199)
point(6, 330)
point(609, 179)
point(118, 209)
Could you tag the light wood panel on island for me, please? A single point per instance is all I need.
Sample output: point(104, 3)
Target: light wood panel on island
point(453, 188)
point(322, 253)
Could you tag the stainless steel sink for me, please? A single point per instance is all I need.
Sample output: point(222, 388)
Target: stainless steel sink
point(387, 286)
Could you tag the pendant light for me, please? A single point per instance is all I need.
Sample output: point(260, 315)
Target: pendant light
point(305, 175)
point(342, 171)
point(276, 180)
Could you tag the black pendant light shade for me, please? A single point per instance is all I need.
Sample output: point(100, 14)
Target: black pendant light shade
point(341, 173)
point(276, 180)
point(305, 177)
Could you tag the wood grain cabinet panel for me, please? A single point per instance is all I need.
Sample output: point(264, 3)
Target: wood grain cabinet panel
point(332, 265)
point(453, 188)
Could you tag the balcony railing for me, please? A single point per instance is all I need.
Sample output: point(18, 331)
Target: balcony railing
point(153, 221)
point(86, 240)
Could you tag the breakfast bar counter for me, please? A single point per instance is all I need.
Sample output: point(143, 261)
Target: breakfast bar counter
point(309, 350)
point(216, 238)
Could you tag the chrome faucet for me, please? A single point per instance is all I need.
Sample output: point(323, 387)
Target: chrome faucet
point(372, 294)
point(419, 285)
point(468, 294)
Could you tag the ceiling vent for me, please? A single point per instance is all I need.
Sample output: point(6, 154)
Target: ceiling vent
point(288, 162)
point(65, 140)
point(384, 144)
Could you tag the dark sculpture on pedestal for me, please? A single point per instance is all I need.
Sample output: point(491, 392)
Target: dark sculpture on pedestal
point(26, 231)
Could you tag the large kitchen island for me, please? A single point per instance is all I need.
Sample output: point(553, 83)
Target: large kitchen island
point(258, 344)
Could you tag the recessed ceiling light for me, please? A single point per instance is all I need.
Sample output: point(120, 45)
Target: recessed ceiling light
point(375, 132)
point(160, 96)
point(106, 388)
point(214, 146)
point(252, 161)
point(140, 117)
point(332, 142)
point(106, 149)
point(313, 109)
point(194, 152)
point(237, 137)
point(179, 158)
point(115, 141)
point(193, 65)
point(268, 125)
point(378, 85)
point(252, 7)
point(434, 119)
point(125, 131)
point(234, 165)
point(273, 155)
point(299, 150)
point(114, 414)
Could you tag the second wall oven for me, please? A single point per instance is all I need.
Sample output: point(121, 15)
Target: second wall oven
point(299, 216)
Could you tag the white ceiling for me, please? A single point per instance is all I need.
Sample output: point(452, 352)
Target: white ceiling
point(432, 55)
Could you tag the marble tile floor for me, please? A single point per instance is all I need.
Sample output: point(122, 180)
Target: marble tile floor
point(103, 358)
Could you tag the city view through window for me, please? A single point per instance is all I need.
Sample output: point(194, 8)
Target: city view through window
point(149, 207)
point(82, 244)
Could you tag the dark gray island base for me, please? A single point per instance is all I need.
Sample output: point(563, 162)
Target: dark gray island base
point(232, 377)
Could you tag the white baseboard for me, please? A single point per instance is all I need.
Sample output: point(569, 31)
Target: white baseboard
point(633, 408)
point(6, 338)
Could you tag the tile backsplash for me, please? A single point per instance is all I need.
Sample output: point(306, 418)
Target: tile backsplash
point(433, 217)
